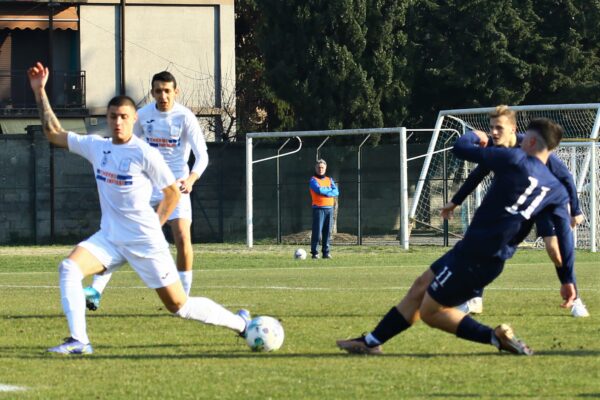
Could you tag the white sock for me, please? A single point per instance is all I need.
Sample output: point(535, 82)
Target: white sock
point(186, 280)
point(100, 281)
point(207, 311)
point(73, 299)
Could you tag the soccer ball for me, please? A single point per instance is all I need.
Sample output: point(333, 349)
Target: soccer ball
point(300, 254)
point(264, 334)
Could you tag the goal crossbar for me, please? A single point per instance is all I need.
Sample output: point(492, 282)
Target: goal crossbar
point(300, 134)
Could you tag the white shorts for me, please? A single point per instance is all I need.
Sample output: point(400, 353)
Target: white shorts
point(156, 267)
point(183, 209)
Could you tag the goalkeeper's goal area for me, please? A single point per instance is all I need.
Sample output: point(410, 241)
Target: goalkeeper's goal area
point(393, 181)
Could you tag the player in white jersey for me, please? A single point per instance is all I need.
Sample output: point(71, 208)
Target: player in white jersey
point(126, 169)
point(174, 130)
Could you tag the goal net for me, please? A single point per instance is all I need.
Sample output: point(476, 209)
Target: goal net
point(442, 173)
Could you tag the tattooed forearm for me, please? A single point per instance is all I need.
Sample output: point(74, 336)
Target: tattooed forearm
point(50, 123)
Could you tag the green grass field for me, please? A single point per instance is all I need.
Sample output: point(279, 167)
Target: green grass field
point(141, 352)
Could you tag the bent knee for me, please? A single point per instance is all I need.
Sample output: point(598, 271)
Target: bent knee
point(419, 287)
point(427, 315)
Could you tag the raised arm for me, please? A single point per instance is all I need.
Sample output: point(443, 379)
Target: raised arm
point(38, 77)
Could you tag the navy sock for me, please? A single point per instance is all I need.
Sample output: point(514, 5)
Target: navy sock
point(392, 324)
point(472, 330)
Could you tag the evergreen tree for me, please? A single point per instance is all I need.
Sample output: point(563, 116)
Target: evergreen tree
point(564, 54)
point(257, 108)
point(337, 63)
point(463, 54)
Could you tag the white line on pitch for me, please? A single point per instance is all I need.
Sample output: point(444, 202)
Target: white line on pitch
point(299, 288)
point(11, 388)
point(315, 268)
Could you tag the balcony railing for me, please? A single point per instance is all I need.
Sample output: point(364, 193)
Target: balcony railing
point(67, 92)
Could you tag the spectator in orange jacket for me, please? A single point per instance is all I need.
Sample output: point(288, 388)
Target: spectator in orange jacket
point(323, 192)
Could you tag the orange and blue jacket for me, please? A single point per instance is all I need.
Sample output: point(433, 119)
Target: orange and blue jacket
point(323, 191)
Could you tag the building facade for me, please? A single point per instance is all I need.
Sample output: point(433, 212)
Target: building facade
point(97, 49)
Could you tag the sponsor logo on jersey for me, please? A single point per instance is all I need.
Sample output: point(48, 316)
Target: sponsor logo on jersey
point(114, 179)
point(161, 142)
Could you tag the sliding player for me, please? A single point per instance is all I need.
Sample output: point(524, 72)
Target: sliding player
point(522, 189)
point(503, 132)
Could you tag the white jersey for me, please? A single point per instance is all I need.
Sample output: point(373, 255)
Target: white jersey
point(174, 133)
point(125, 176)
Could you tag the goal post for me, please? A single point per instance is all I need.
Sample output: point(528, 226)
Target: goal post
point(443, 173)
point(250, 161)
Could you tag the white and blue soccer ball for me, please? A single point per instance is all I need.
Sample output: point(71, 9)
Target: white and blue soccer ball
point(300, 254)
point(264, 334)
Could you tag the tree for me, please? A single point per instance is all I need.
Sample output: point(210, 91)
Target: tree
point(338, 63)
point(464, 55)
point(565, 53)
point(258, 109)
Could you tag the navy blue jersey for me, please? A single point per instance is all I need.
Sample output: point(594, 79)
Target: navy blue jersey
point(522, 188)
point(555, 164)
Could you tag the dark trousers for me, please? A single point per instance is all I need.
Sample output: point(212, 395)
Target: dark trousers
point(321, 229)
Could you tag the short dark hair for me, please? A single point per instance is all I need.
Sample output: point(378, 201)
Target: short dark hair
point(548, 130)
point(122, 100)
point(164, 76)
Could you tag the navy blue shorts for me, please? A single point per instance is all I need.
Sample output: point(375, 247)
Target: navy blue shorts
point(458, 279)
point(544, 226)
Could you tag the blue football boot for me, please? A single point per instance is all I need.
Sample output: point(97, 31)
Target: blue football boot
point(72, 346)
point(92, 298)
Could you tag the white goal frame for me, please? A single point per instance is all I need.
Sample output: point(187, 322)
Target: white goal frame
point(586, 166)
point(324, 133)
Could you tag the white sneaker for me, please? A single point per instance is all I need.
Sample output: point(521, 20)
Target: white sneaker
point(473, 306)
point(579, 310)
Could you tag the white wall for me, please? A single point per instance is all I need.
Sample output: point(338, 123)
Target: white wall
point(99, 56)
point(178, 38)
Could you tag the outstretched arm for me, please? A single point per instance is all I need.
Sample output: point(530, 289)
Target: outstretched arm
point(38, 76)
point(472, 181)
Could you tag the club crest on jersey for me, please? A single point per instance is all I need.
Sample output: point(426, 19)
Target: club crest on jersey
point(149, 127)
point(124, 165)
point(104, 158)
point(175, 131)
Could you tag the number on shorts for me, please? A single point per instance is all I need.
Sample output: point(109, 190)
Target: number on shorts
point(443, 276)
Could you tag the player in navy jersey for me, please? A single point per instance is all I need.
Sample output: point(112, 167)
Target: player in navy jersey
point(522, 189)
point(503, 128)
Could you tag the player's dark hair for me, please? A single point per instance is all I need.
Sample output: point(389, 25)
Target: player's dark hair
point(122, 100)
point(548, 130)
point(164, 76)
